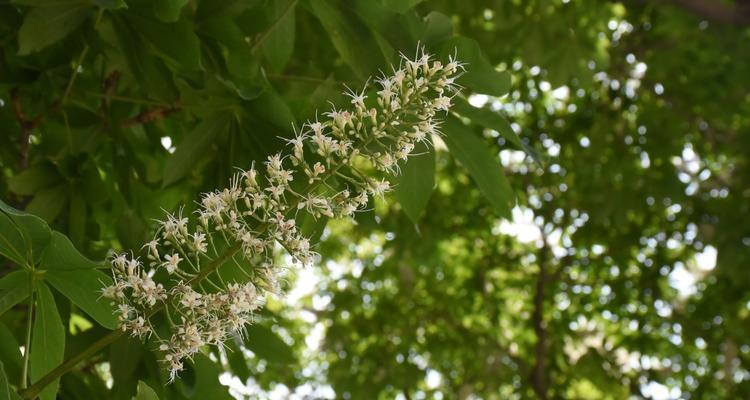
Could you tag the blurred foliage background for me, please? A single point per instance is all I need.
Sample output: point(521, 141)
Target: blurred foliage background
point(581, 231)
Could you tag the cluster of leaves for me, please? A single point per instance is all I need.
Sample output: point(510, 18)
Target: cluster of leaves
point(646, 168)
point(115, 110)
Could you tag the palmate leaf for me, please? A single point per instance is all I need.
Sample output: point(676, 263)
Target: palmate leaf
point(28, 241)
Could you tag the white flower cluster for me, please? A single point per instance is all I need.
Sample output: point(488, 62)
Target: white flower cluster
point(322, 176)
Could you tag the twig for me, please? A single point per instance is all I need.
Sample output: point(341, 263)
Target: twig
point(147, 116)
point(538, 373)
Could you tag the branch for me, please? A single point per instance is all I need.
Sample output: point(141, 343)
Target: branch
point(147, 116)
point(539, 380)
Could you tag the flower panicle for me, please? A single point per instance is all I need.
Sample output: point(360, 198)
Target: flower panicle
point(323, 172)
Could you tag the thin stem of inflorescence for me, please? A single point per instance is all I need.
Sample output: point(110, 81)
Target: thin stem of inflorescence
point(324, 175)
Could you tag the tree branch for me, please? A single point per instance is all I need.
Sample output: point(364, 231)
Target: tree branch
point(539, 381)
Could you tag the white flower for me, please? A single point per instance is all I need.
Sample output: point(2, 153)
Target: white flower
point(120, 261)
point(109, 292)
point(250, 178)
point(358, 99)
point(442, 103)
point(199, 242)
point(378, 188)
point(153, 251)
point(191, 300)
point(257, 215)
point(171, 263)
point(124, 310)
point(276, 191)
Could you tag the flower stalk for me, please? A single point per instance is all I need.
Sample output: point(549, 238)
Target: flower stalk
point(242, 228)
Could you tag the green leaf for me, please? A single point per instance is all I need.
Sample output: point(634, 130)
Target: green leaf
point(13, 245)
point(480, 76)
point(438, 27)
point(193, 146)
point(83, 288)
point(150, 72)
point(311, 226)
point(236, 358)
point(416, 182)
point(33, 179)
point(353, 41)
point(493, 120)
point(124, 357)
point(483, 166)
point(207, 385)
point(111, 4)
point(270, 106)
point(131, 230)
point(44, 26)
point(229, 57)
point(23, 236)
point(279, 44)
point(5, 390)
point(77, 218)
point(47, 342)
point(267, 345)
point(14, 288)
point(175, 42)
point(400, 6)
point(48, 203)
point(10, 353)
point(60, 254)
point(145, 392)
point(168, 10)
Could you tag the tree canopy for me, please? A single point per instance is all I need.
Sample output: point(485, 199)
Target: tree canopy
point(579, 228)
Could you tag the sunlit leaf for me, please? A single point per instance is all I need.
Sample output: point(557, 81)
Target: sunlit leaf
point(483, 166)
